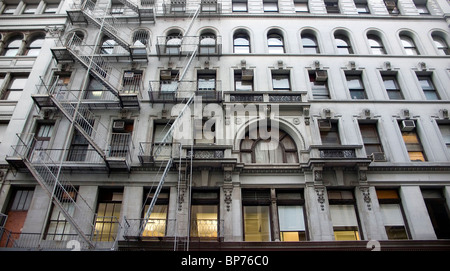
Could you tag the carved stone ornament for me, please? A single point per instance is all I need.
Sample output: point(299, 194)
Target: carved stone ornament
point(54, 31)
point(366, 197)
point(181, 196)
point(228, 191)
point(320, 191)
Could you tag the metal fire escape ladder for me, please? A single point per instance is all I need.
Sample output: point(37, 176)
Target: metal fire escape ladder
point(168, 165)
point(48, 174)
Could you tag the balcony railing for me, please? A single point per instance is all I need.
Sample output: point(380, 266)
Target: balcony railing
point(336, 155)
point(175, 92)
point(186, 45)
point(265, 97)
point(152, 152)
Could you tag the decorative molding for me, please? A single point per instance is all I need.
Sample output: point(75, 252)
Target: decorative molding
point(228, 192)
point(366, 196)
point(320, 192)
point(54, 31)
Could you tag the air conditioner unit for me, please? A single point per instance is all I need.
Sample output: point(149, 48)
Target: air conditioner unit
point(128, 74)
point(118, 125)
point(378, 157)
point(247, 74)
point(408, 125)
point(321, 76)
point(325, 125)
point(166, 75)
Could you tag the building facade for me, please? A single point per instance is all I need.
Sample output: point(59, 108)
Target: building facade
point(232, 124)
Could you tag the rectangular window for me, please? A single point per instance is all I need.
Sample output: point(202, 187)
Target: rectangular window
point(427, 85)
point(256, 204)
point(319, 84)
point(132, 81)
point(270, 5)
point(332, 6)
point(15, 88)
point(206, 80)
point(291, 215)
point(329, 132)
point(362, 7)
point(108, 214)
point(51, 8)
point(205, 131)
point(412, 140)
point(157, 223)
point(243, 80)
point(392, 87)
point(204, 214)
point(438, 212)
point(159, 150)
point(301, 6)
point(343, 215)
point(392, 214)
point(58, 227)
point(371, 139)
point(356, 86)
point(445, 132)
point(281, 80)
point(239, 6)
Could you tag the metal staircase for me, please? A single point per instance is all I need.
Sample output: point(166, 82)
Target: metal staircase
point(62, 193)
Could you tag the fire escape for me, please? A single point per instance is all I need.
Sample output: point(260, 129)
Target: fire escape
point(124, 93)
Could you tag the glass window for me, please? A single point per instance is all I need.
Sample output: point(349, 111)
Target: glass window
point(356, 87)
point(441, 45)
point(426, 83)
point(392, 87)
point(204, 214)
point(208, 43)
point(309, 43)
point(108, 46)
point(241, 44)
point(376, 45)
point(275, 43)
point(257, 223)
point(408, 45)
point(362, 7)
point(108, 213)
point(392, 214)
point(332, 6)
point(319, 84)
point(157, 222)
point(343, 215)
point(15, 88)
point(239, 5)
point(34, 47)
point(59, 227)
point(270, 5)
point(173, 44)
point(281, 81)
point(329, 132)
point(301, 6)
point(343, 45)
point(51, 8)
point(413, 145)
point(12, 46)
point(371, 139)
point(243, 80)
point(9, 9)
point(292, 223)
point(445, 132)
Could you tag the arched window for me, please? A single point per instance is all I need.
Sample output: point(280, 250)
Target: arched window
point(34, 47)
point(208, 42)
point(309, 43)
point(281, 149)
point(409, 45)
point(140, 42)
point(343, 44)
point(376, 45)
point(13, 46)
point(441, 44)
point(241, 43)
point(275, 43)
point(173, 43)
point(107, 46)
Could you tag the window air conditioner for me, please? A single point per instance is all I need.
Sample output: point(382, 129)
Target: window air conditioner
point(321, 76)
point(166, 75)
point(390, 5)
point(247, 74)
point(408, 125)
point(118, 125)
point(325, 125)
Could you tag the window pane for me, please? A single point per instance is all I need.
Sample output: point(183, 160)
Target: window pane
point(256, 223)
point(204, 221)
point(291, 218)
point(281, 82)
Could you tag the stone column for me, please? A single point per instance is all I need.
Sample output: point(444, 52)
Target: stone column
point(416, 213)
